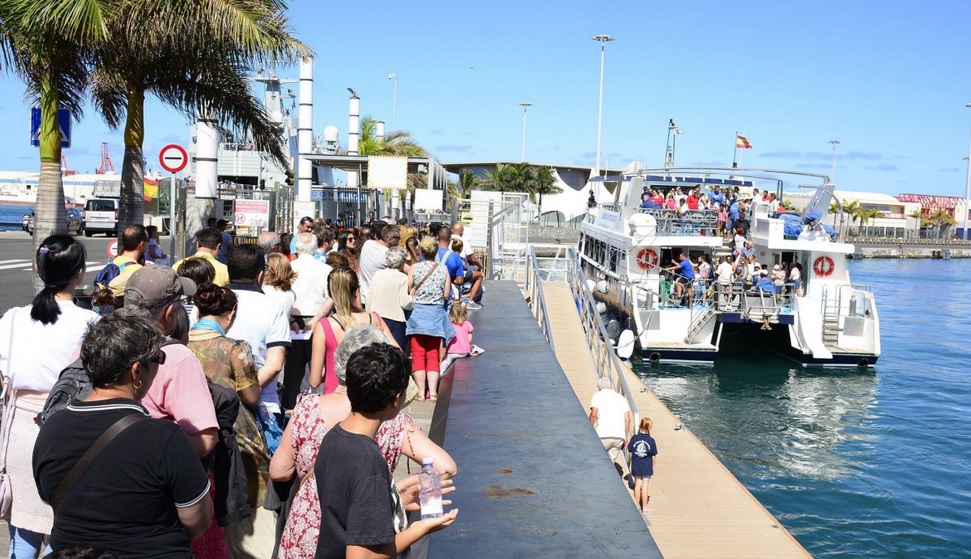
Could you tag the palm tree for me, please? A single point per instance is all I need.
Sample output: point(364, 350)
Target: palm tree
point(47, 44)
point(498, 178)
point(942, 219)
point(467, 183)
point(546, 184)
point(852, 209)
point(396, 142)
point(867, 215)
point(194, 57)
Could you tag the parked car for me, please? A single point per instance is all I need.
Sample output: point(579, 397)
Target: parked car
point(101, 216)
point(74, 222)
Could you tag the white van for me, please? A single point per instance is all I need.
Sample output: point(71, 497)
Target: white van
point(101, 216)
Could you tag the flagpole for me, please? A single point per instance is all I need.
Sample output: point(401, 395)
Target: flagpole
point(735, 152)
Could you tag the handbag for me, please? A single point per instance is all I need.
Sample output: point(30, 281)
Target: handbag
point(6, 490)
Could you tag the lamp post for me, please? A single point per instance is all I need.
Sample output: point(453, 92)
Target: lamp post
point(832, 173)
point(967, 191)
point(603, 40)
point(525, 105)
point(394, 102)
point(674, 143)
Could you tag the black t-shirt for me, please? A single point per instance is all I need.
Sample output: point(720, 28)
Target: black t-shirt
point(354, 488)
point(126, 501)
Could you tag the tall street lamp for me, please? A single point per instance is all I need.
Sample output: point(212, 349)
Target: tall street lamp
point(603, 40)
point(394, 105)
point(967, 191)
point(832, 173)
point(525, 105)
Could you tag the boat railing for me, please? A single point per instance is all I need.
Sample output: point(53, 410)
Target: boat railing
point(693, 223)
point(604, 357)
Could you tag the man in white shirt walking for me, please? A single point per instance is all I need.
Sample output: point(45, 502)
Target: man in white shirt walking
point(611, 417)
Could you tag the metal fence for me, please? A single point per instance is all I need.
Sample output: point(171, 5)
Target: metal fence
point(602, 354)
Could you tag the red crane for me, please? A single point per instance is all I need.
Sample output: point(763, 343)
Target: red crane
point(105, 161)
point(65, 170)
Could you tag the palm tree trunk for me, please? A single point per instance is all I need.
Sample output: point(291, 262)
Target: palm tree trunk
point(49, 215)
point(132, 205)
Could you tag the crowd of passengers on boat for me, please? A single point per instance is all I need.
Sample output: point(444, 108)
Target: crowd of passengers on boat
point(725, 209)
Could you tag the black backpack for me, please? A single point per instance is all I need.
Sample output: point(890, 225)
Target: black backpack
point(72, 384)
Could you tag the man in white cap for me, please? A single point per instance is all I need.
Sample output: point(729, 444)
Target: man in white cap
point(611, 417)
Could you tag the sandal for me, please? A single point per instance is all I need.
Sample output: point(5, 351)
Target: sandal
point(420, 399)
point(433, 398)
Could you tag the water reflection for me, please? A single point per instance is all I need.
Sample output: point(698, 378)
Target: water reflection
point(768, 419)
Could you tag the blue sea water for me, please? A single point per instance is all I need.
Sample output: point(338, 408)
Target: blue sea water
point(11, 217)
point(854, 463)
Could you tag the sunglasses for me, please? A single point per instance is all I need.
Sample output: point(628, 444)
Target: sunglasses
point(349, 239)
point(158, 358)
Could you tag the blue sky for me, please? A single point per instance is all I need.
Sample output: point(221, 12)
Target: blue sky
point(889, 80)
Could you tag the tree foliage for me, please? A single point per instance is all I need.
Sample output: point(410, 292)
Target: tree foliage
point(530, 179)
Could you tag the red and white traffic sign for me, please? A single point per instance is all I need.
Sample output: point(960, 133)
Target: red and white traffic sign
point(173, 158)
point(112, 248)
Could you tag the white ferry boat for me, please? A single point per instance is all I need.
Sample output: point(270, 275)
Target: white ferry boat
point(625, 250)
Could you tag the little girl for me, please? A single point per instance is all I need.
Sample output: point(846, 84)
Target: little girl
point(643, 453)
point(461, 345)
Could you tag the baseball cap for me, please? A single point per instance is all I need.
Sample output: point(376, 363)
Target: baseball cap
point(151, 287)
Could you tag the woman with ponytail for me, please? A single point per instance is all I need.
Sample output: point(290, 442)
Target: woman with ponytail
point(36, 343)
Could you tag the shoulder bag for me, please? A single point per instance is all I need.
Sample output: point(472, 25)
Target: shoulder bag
point(428, 275)
point(99, 445)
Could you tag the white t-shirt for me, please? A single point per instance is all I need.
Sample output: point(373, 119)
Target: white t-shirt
point(310, 287)
point(261, 323)
point(611, 409)
point(371, 260)
point(41, 351)
point(724, 272)
point(283, 298)
point(466, 247)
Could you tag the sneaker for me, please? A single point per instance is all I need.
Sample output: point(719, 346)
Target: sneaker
point(473, 306)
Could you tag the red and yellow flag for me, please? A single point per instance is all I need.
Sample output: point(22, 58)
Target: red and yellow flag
point(151, 189)
point(742, 142)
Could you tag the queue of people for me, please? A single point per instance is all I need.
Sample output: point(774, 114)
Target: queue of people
point(224, 375)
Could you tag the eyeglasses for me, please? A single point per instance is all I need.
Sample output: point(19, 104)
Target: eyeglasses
point(158, 358)
point(349, 239)
point(395, 238)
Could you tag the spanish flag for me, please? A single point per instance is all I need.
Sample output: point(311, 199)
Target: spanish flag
point(151, 189)
point(742, 142)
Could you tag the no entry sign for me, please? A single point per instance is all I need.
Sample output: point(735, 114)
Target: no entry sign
point(173, 158)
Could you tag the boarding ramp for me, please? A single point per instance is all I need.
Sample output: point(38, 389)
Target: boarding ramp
point(534, 480)
point(698, 508)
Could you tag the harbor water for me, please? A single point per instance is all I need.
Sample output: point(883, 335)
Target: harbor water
point(855, 463)
point(11, 217)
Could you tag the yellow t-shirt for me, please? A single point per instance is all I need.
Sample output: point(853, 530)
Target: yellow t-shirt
point(222, 272)
point(128, 267)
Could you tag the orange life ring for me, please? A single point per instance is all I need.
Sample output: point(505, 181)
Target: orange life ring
point(646, 259)
point(823, 266)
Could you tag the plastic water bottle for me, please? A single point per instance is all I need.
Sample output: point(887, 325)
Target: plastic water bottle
point(429, 490)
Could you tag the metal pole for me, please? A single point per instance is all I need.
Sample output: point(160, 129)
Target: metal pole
point(525, 105)
point(967, 191)
point(172, 192)
point(394, 105)
point(603, 39)
point(832, 173)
